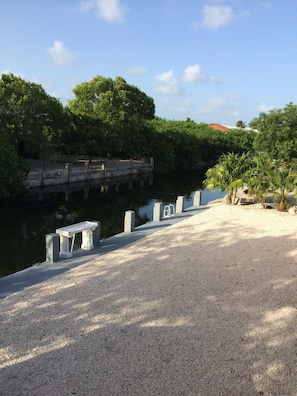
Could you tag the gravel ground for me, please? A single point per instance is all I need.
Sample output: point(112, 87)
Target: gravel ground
point(206, 307)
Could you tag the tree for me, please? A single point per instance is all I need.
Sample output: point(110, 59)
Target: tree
point(13, 169)
point(240, 140)
point(121, 106)
point(283, 181)
point(262, 175)
point(186, 144)
point(32, 118)
point(84, 135)
point(228, 174)
point(240, 124)
point(258, 177)
point(277, 133)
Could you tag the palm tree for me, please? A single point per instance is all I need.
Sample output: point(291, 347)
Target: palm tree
point(258, 177)
point(228, 174)
point(283, 182)
point(240, 124)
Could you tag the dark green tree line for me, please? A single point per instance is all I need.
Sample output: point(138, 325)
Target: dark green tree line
point(32, 118)
point(13, 170)
point(106, 117)
point(185, 145)
point(277, 133)
point(123, 107)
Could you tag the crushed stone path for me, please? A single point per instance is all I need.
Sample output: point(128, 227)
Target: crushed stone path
point(207, 306)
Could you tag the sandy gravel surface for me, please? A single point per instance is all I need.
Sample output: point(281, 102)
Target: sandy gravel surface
point(206, 307)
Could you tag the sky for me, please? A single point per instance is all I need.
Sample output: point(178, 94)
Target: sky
point(212, 61)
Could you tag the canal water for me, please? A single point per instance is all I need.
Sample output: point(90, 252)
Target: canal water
point(25, 222)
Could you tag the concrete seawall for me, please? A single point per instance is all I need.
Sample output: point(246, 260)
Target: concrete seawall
point(42, 271)
point(54, 173)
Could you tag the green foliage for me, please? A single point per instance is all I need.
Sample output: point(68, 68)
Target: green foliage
point(184, 145)
point(262, 174)
point(283, 180)
point(277, 134)
point(240, 140)
point(228, 174)
point(84, 135)
point(111, 117)
point(116, 103)
point(240, 124)
point(258, 177)
point(106, 117)
point(13, 169)
point(32, 118)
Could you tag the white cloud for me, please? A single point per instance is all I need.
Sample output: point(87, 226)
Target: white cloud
point(60, 55)
point(218, 103)
point(168, 84)
point(215, 17)
point(110, 10)
point(137, 70)
point(264, 108)
point(171, 107)
point(195, 74)
point(172, 86)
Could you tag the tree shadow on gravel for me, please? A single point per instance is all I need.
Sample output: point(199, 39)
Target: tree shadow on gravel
point(217, 316)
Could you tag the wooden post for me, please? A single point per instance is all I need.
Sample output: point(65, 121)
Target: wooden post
point(67, 172)
point(87, 168)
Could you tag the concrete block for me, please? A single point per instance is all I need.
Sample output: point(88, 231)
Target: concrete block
point(157, 213)
point(129, 222)
point(52, 247)
point(197, 198)
point(180, 202)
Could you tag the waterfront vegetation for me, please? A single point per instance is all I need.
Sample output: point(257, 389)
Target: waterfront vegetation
point(110, 118)
point(269, 169)
point(262, 176)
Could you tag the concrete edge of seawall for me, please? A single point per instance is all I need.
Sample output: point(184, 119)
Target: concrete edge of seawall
point(40, 272)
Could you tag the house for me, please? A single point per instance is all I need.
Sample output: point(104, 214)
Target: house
point(225, 128)
point(219, 127)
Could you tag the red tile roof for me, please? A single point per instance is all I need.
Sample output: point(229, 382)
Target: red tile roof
point(219, 127)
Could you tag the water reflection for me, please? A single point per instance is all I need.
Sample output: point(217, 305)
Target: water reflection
point(24, 223)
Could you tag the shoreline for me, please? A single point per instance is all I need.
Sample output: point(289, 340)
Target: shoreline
point(42, 271)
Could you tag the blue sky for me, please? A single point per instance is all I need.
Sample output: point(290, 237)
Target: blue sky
point(212, 61)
